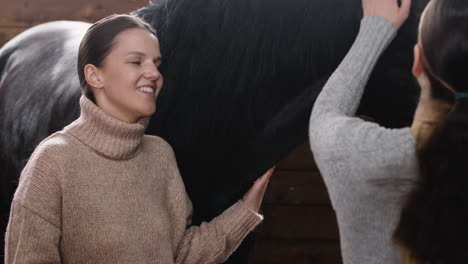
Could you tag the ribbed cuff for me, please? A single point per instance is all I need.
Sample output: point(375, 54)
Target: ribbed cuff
point(239, 220)
point(375, 34)
point(378, 31)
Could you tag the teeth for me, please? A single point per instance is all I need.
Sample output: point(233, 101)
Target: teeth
point(146, 89)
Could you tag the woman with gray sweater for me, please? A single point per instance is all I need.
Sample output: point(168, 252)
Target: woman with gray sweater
point(369, 169)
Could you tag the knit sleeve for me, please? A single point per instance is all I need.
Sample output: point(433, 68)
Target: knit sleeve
point(214, 241)
point(335, 107)
point(339, 99)
point(348, 149)
point(211, 242)
point(34, 228)
point(30, 238)
point(343, 91)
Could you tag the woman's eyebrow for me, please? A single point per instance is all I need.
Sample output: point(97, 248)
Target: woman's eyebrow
point(142, 54)
point(138, 53)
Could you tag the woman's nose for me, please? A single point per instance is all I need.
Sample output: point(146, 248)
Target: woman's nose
point(152, 73)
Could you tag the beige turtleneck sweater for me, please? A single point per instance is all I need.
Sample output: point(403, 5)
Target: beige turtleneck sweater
point(100, 191)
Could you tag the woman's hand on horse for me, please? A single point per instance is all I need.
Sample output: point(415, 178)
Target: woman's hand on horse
point(254, 197)
point(388, 9)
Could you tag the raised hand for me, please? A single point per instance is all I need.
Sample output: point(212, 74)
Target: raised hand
point(388, 9)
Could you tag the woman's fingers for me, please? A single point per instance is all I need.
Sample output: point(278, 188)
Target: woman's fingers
point(405, 9)
point(254, 197)
point(265, 178)
point(388, 9)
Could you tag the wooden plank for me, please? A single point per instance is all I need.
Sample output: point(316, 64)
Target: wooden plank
point(298, 222)
point(27, 13)
point(7, 33)
point(299, 159)
point(297, 252)
point(297, 188)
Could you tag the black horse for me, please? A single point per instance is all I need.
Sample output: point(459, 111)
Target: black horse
point(241, 77)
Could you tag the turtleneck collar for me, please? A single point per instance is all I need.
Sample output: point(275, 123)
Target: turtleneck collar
point(106, 135)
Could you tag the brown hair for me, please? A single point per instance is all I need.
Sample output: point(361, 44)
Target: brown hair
point(98, 42)
point(433, 225)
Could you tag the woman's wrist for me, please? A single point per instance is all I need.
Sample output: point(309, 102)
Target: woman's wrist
point(388, 9)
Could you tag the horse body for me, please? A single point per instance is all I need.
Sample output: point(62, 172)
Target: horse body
point(39, 73)
point(240, 81)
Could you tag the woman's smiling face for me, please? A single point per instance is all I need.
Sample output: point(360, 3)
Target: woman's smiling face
point(130, 77)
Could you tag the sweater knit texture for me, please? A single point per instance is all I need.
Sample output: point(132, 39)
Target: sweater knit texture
point(100, 191)
point(368, 169)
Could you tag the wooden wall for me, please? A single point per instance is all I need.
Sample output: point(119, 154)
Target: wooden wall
point(299, 226)
point(19, 15)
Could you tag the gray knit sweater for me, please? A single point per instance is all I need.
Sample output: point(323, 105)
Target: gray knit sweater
point(367, 168)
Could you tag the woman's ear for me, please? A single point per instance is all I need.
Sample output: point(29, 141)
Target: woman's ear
point(417, 62)
point(93, 76)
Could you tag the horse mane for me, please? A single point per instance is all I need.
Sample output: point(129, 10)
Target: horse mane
point(241, 78)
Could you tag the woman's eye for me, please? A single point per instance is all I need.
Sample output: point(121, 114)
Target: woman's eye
point(135, 62)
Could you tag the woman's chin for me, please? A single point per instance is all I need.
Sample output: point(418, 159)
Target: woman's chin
point(148, 111)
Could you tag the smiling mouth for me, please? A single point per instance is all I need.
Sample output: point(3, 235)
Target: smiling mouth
point(147, 90)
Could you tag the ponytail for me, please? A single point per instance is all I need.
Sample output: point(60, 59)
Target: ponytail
point(434, 222)
point(433, 227)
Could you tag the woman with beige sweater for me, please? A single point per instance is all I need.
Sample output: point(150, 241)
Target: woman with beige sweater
point(100, 191)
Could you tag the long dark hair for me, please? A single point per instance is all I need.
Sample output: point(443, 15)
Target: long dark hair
point(433, 228)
